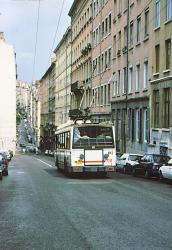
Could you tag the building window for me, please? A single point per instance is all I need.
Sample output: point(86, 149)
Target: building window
point(147, 22)
point(130, 83)
point(101, 95)
point(110, 22)
point(156, 108)
point(109, 58)
point(119, 40)
point(138, 29)
point(125, 36)
point(108, 93)
point(168, 10)
point(168, 52)
point(115, 84)
point(137, 77)
point(119, 80)
point(124, 80)
point(105, 95)
point(145, 125)
point(137, 125)
point(131, 34)
point(167, 107)
point(119, 7)
point(145, 75)
point(114, 45)
point(157, 57)
point(103, 29)
point(106, 26)
point(106, 57)
point(157, 13)
point(115, 8)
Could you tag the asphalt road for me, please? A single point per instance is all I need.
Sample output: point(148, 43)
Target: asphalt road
point(41, 208)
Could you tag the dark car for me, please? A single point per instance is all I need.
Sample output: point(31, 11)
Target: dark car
point(4, 163)
point(149, 165)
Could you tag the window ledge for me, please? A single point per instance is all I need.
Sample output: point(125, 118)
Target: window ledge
point(125, 10)
point(131, 4)
point(168, 21)
point(166, 71)
point(131, 48)
point(156, 74)
point(138, 44)
point(146, 38)
point(157, 28)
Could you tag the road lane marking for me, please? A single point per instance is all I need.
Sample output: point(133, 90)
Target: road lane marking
point(45, 163)
point(88, 182)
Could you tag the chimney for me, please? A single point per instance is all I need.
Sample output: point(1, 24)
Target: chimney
point(2, 36)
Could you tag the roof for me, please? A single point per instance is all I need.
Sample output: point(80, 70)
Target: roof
point(72, 7)
point(63, 39)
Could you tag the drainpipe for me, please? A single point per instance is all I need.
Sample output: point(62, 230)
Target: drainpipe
point(127, 68)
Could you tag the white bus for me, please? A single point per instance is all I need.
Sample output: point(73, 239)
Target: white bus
point(85, 147)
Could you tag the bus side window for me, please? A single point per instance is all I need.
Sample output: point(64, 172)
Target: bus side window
point(67, 140)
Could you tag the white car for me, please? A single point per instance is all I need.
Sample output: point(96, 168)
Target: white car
point(165, 172)
point(126, 161)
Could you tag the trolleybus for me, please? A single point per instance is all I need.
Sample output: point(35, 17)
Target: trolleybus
point(85, 147)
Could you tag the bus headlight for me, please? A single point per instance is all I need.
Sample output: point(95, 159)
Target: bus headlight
point(106, 156)
point(81, 157)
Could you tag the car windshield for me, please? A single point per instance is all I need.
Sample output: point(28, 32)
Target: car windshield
point(135, 157)
point(87, 136)
point(161, 159)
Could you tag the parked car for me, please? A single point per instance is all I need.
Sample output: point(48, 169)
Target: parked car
point(126, 162)
point(1, 166)
point(4, 163)
point(149, 165)
point(7, 153)
point(165, 171)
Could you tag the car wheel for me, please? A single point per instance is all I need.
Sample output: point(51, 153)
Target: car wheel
point(0, 176)
point(161, 177)
point(124, 170)
point(134, 172)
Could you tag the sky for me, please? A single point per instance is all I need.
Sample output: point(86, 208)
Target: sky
point(18, 21)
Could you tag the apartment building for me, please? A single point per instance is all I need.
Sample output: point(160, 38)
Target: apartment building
point(47, 99)
point(102, 70)
point(132, 69)
point(161, 80)
point(7, 95)
point(81, 70)
point(23, 97)
point(35, 110)
point(63, 79)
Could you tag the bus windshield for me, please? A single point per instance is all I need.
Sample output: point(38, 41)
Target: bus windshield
point(89, 136)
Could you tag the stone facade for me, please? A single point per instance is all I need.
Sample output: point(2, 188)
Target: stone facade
point(7, 95)
point(81, 72)
point(161, 80)
point(63, 79)
point(132, 60)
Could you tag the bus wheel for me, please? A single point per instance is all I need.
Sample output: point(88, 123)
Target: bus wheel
point(57, 164)
point(103, 174)
point(65, 166)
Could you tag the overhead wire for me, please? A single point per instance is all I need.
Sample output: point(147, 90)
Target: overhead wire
point(36, 40)
point(54, 39)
